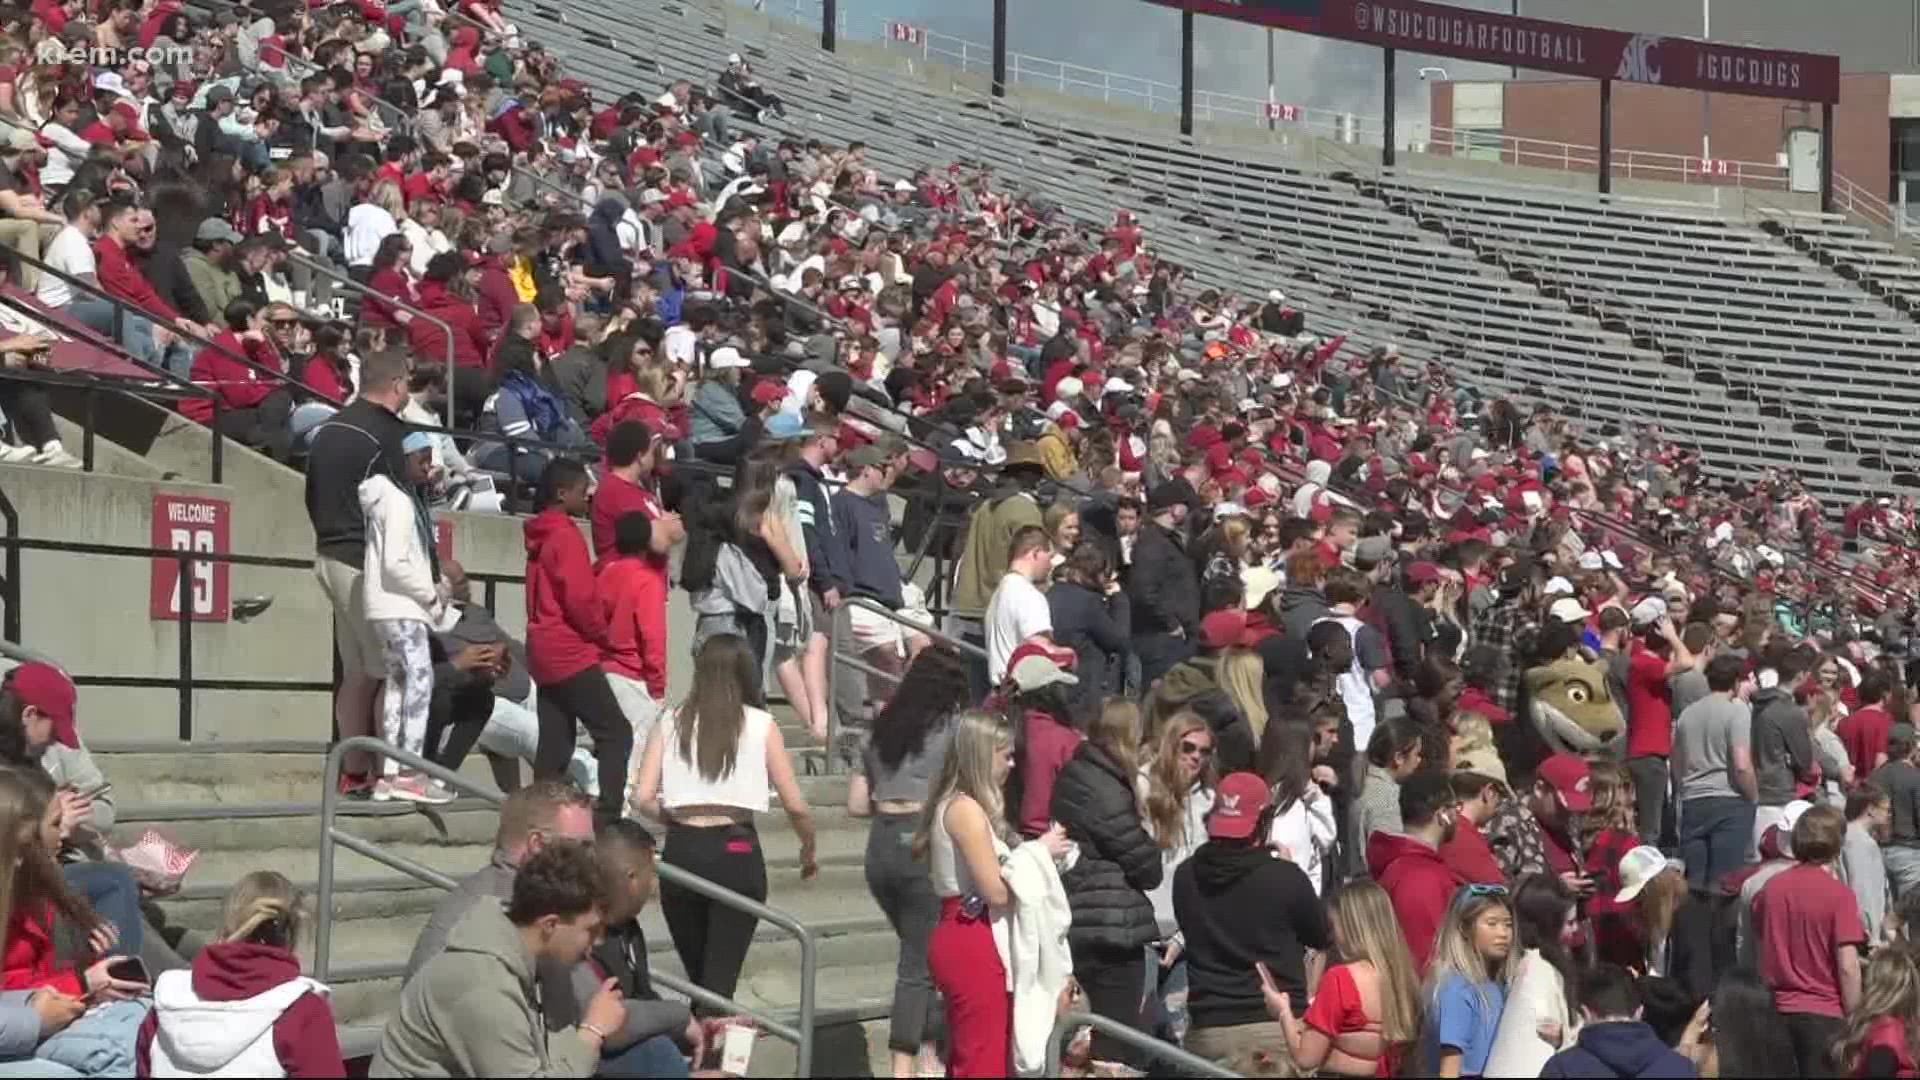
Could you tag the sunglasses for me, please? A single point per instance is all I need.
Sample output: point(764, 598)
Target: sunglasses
point(283, 322)
point(1194, 749)
point(1476, 892)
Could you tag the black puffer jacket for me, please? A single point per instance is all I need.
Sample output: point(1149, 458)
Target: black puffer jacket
point(1119, 862)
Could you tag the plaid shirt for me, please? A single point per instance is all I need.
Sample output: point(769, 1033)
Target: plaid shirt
point(1511, 629)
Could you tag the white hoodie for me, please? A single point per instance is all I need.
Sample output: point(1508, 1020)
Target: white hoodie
point(219, 1038)
point(398, 573)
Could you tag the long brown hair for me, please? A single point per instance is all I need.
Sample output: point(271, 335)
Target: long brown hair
point(1660, 901)
point(1116, 730)
point(714, 713)
point(1167, 794)
point(1890, 989)
point(30, 877)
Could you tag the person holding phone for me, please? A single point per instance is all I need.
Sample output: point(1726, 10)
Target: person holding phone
point(244, 1006)
point(26, 405)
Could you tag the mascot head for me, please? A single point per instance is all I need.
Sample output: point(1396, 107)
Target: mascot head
point(1572, 708)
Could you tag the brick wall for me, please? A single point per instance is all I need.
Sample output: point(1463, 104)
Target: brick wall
point(1669, 121)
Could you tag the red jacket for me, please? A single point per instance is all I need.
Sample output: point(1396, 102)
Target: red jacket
point(239, 386)
point(496, 297)
point(566, 628)
point(633, 591)
point(471, 344)
point(303, 1037)
point(321, 375)
point(122, 280)
point(1048, 745)
point(1468, 855)
point(634, 406)
point(28, 961)
point(389, 282)
point(1419, 884)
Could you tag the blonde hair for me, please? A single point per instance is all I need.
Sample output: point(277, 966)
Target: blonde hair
point(1243, 675)
point(1057, 515)
point(1454, 952)
point(1889, 988)
point(257, 904)
point(1660, 900)
point(968, 770)
point(1369, 932)
point(1613, 799)
point(386, 195)
point(1116, 730)
point(1236, 533)
point(1167, 795)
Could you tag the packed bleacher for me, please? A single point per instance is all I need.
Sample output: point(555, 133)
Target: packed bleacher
point(1203, 662)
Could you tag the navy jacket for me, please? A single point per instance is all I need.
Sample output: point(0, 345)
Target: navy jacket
point(1097, 628)
point(1618, 1048)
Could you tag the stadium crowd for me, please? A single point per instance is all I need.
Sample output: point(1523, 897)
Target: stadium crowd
point(1267, 694)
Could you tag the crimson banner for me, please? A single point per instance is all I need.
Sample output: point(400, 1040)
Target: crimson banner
point(1539, 45)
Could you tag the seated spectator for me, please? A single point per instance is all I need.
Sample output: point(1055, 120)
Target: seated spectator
point(471, 346)
point(244, 1008)
point(212, 263)
point(388, 277)
point(25, 221)
point(523, 407)
point(120, 228)
point(258, 409)
point(71, 253)
point(27, 409)
point(471, 1010)
point(531, 819)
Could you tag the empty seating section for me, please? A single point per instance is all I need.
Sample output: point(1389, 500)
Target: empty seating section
point(1248, 222)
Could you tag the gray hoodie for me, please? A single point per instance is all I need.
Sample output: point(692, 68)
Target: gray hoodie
point(473, 1011)
point(1782, 747)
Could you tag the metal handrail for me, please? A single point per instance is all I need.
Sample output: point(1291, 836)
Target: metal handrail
point(834, 637)
point(299, 255)
point(800, 1033)
point(1165, 1053)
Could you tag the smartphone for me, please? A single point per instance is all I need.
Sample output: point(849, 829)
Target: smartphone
point(130, 969)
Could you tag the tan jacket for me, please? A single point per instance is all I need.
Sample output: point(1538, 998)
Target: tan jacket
point(983, 562)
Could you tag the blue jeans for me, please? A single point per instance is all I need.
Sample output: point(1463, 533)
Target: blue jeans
point(658, 1056)
point(1714, 835)
point(136, 332)
point(112, 891)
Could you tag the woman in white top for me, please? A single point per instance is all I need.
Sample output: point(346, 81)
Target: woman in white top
point(706, 771)
point(372, 221)
point(964, 838)
point(1303, 829)
point(67, 148)
point(1540, 1016)
point(1176, 790)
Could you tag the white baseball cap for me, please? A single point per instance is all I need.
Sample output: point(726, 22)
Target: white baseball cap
point(1568, 610)
point(726, 358)
point(1637, 868)
point(1558, 585)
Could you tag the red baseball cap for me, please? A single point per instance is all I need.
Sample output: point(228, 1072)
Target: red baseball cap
point(769, 391)
point(1223, 629)
point(46, 688)
point(1422, 573)
point(1571, 778)
point(1237, 806)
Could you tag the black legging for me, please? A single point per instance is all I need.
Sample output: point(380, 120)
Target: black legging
point(26, 406)
point(1112, 980)
point(587, 699)
point(712, 939)
point(265, 427)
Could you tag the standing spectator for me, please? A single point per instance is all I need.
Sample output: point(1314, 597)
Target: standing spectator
point(1164, 586)
point(633, 590)
point(1119, 863)
point(1900, 779)
point(244, 1007)
point(863, 527)
point(1365, 1014)
point(898, 768)
point(1656, 657)
point(1176, 789)
point(1714, 777)
point(1782, 742)
point(1811, 941)
point(1248, 919)
point(1302, 829)
point(1864, 731)
point(1613, 1040)
point(709, 766)
point(1480, 797)
point(1862, 867)
point(1091, 615)
point(1018, 612)
point(401, 586)
point(1393, 754)
point(964, 838)
point(1466, 987)
point(826, 574)
point(360, 441)
point(473, 1009)
point(1540, 1012)
point(1372, 670)
point(567, 640)
point(1408, 865)
point(989, 538)
point(1882, 1036)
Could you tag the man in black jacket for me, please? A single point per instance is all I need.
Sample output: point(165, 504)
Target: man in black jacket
point(1239, 909)
point(1164, 586)
point(357, 442)
point(1405, 612)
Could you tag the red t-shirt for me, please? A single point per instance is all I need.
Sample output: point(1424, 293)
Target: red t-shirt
point(1864, 733)
point(1802, 916)
point(1338, 1010)
point(616, 498)
point(1890, 1034)
point(1649, 705)
point(1468, 855)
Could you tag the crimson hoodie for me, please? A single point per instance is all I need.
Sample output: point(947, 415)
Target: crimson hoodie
point(1470, 857)
point(471, 343)
point(633, 591)
point(239, 386)
point(1420, 885)
point(566, 627)
point(303, 1037)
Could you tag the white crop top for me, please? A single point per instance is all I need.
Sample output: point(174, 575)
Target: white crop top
point(949, 873)
point(745, 787)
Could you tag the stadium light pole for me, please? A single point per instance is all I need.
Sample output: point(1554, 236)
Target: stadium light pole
point(1706, 97)
point(1270, 117)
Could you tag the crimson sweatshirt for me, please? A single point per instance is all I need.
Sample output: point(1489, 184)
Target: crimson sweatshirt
point(1419, 884)
point(239, 386)
point(304, 1038)
point(633, 590)
point(566, 627)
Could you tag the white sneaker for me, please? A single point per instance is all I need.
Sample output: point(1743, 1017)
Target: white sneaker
point(16, 455)
point(55, 456)
point(411, 787)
